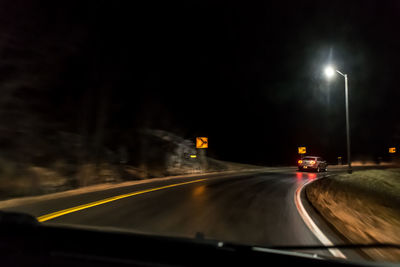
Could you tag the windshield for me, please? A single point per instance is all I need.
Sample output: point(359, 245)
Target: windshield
point(191, 119)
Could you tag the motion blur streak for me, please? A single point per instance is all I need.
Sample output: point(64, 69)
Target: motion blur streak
point(96, 203)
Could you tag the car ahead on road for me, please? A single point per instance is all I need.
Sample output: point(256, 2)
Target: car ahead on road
point(312, 163)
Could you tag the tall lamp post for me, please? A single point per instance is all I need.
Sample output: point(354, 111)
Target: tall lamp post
point(330, 72)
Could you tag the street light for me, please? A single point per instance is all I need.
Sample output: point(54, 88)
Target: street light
point(330, 72)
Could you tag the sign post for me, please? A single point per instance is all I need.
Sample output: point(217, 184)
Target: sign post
point(201, 144)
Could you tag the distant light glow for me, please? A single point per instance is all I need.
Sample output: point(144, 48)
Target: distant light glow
point(329, 71)
point(193, 156)
point(300, 161)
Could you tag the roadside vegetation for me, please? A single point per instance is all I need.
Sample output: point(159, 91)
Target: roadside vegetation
point(60, 166)
point(364, 207)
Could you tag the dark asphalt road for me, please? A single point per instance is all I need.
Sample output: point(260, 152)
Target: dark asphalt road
point(252, 208)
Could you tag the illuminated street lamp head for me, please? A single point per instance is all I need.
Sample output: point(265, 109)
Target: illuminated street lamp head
point(329, 71)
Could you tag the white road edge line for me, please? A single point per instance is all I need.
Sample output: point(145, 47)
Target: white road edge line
point(311, 224)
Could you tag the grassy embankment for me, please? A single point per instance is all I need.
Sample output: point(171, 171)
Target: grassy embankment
point(363, 206)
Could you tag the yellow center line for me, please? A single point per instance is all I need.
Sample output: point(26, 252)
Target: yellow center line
point(59, 213)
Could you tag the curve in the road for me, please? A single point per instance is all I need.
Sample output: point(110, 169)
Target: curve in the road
point(255, 183)
point(312, 225)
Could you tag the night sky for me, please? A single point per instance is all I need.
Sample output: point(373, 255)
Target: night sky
point(247, 75)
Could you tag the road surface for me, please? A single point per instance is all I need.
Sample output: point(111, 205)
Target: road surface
point(256, 208)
